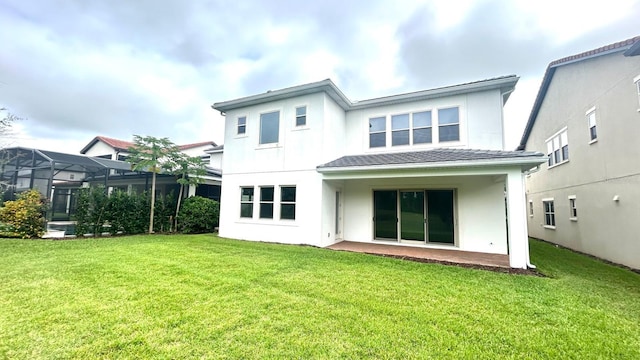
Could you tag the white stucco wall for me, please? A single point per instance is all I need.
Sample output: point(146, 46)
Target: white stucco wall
point(479, 206)
point(100, 149)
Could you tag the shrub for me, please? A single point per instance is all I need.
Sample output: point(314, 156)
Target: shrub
point(91, 210)
point(198, 215)
point(24, 216)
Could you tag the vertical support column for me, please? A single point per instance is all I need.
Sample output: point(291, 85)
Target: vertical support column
point(191, 190)
point(517, 220)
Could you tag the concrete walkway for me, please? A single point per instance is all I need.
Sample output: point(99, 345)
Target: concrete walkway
point(452, 256)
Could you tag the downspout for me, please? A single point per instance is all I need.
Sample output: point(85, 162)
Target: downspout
point(529, 264)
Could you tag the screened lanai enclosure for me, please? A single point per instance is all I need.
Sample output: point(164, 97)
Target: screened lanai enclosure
point(57, 176)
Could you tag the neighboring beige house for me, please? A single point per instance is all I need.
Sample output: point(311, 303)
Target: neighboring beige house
point(305, 165)
point(586, 118)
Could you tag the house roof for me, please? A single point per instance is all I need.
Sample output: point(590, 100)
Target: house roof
point(441, 157)
point(195, 145)
point(631, 47)
point(505, 84)
point(122, 145)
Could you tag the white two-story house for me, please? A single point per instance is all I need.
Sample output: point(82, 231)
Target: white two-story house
point(305, 165)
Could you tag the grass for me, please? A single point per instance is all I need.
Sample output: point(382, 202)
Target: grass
point(201, 296)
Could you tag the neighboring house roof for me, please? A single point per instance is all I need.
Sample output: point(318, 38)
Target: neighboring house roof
point(122, 145)
point(195, 145)
point(442, 157)
point(631, 47)
point(215, 149)
point(505, 84)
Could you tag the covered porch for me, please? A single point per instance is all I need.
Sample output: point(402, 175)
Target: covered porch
point(450, 205)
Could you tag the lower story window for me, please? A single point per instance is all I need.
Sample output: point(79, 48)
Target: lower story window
point(549, 213)
point(288, 202)
point(573, 209)
point(266, 202)
point(246, 202)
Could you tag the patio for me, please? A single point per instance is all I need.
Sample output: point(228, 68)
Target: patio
point(435, 255)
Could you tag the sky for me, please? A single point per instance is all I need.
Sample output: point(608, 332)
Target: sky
point(76, 69)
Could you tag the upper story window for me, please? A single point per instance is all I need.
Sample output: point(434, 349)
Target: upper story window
point(242, 125)
point(558, 148)
point(269, 127)
point(378, 132)
point(301, 116)
point(591, 119)
point(422, 130)
point(400, 130)
point(449, 124)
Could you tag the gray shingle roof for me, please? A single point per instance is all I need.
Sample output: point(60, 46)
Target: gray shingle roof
point(427, 156)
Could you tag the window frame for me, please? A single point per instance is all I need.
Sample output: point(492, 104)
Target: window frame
point(441, 126)
point(260, 135)
point(243, 126)
point(247, 202)
point(530, 208)
point(265, 203)
point(549, 213)
point(593, 128)
point(300, 116)
point(287, 202)
point(414, 127)
point(377, 132)
point(403, 129)
point(558, 148)
point(573, 208)
point(636, 81)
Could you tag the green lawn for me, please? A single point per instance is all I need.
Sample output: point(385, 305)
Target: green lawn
point(174, 297)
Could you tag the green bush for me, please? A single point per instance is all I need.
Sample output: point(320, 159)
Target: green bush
point(198, 215)
point(24, 216)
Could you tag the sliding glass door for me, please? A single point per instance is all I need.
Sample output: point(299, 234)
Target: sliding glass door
point(414, 216)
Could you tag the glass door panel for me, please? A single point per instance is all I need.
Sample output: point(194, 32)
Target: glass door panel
point(412, 215)
point(440, 213)
point(385, 214)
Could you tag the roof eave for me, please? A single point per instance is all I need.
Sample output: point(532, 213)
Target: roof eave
point(326, 86)
point(504, 84)
point(524, 163)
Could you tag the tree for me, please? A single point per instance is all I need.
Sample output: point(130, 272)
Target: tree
point(6, 127)
point(189, 170)
point(152, 154)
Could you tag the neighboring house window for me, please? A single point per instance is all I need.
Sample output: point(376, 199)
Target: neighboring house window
point(530, 208)
point(573, 210)
point(72, 176)
point(288, 202)
point(377, 132)
point(400, 130)
point(422, 129)
point(266, 202)
point(246, 202)
point(242, 125)
point(549, 213)
point(301, 116)
point(558, 148)
point(449, 124)
point(269, 127)
point(591, 118)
